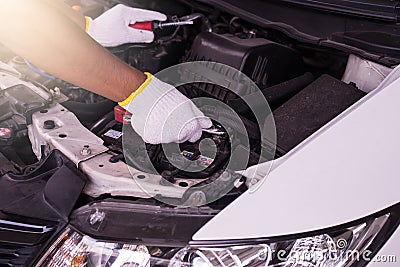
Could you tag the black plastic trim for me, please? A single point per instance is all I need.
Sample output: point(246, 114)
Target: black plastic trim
point(49, 191)
point(140, 222)
point(23, 238)
point(35, 208)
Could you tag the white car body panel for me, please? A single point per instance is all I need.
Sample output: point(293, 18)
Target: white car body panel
point(347, 170)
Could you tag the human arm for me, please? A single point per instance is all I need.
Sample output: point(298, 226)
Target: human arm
point(39, 32)
point(67, 11)
point(54, 42)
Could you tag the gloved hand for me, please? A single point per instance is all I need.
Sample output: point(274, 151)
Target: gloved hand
point(112, 27)
point(162, 114)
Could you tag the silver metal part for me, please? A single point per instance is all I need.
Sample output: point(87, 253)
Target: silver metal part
point(58, 128)
point(68, 135)
point(192, 17)
point(214, 130)
point(89, 154)
point(86, 151)
point(11, 77)
point(119, 179)
point(7, 69)
point(162, 25)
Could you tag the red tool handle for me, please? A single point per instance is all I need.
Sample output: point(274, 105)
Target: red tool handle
point(146, 26)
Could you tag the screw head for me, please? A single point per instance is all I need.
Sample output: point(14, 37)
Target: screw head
point(86, 151)
point(49, 124)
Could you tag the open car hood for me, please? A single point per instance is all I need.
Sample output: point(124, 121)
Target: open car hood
point(366, 28)
point(375, 9)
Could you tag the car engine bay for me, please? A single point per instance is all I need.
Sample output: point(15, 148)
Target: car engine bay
point(47, 125)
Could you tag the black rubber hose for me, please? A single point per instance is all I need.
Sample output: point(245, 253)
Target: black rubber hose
point(101, 124)
point(275, 95)
point(89, 112)
point(229, 119)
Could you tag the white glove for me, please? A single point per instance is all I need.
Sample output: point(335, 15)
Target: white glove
point(112, 27)
point(162, 114)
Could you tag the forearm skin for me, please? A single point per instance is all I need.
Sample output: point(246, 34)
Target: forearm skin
point(57, 44)
point(63, 8)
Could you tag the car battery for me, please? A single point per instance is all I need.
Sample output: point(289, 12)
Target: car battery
point(112, 134)
point(309, 110)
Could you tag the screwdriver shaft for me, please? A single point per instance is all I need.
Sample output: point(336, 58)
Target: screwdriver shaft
point(174, 24)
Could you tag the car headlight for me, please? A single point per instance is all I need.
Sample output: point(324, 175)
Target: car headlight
point(355, 243)
point(75, 249)
point(339, 248)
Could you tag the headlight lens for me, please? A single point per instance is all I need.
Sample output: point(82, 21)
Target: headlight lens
point(339, 248)
point(253, 255)
point(74, 249)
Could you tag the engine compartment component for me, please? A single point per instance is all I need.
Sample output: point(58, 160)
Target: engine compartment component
point(17, 103)
point(88, 152)
point(310, 109)
point(199, 160)
point(46, 200)
point(275, 95)
point(58, 128)
point(71, 157)
point(152, 58)
point(365, 74)
point(18, 98)
point(267, 63)
point(301, 83)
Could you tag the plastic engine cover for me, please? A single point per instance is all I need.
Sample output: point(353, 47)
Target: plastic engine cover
point(265, 62)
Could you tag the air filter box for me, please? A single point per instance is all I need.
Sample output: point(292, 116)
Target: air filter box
point(267, 63)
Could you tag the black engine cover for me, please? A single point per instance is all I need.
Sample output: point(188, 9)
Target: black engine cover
point(267, 63)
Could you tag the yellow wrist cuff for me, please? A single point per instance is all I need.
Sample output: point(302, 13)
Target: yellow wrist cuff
point(87, 20)
point(137, 91)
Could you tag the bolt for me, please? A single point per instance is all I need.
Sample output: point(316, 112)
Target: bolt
point(86, 151)
point(127, 118)
point(48, 125)
point(56, 92)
